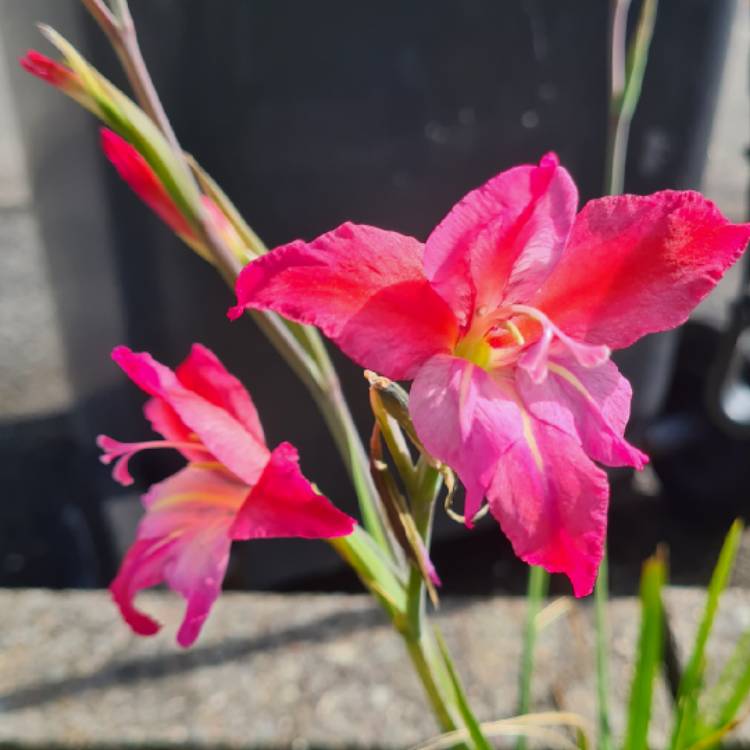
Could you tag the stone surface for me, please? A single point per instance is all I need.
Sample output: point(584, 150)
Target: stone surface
point(299, 671)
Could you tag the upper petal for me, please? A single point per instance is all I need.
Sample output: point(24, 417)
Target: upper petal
point(285, 504)
point(551, 502)
point(182, 540)
point(203, 373)
point(466, 420)
point(501, 241)
point(227, 439)
point(591, 404)
point(364, 288)
point(639, 264)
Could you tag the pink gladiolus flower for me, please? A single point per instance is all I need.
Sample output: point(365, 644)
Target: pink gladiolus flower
point(233, 487)
point(504, 319)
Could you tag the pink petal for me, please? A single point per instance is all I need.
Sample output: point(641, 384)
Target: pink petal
point(285, 504)
point(228, 440)
point(204, 374)
point(551, 502)
point(501, 241)
point(639, 264)
point(182, 540)
point(591, 405)
point(364, 288)
point(466, 419)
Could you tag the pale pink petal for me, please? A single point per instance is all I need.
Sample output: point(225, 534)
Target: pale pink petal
point(590, 404)
point(500, 242)
point(182, 540)
point(227, 439)
point(551, 502)
point(364, 288)
point(466, 419)
point(639, 264)
point(285, 504)
point(203, 373)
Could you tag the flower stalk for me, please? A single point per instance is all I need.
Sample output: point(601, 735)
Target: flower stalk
point(148, 129)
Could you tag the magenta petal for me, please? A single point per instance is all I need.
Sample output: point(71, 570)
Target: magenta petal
point(466, 419)
point(551, 502)
point(364, 288)
point(589, 404)
point(203, 373)
point(226, 438)
point(638, 264)
point(285, 504)
point(500, 242)
point(182, 540)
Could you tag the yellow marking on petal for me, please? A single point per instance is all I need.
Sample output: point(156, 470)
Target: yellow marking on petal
point(568, 376)
point(528, 434)
point(220, 500)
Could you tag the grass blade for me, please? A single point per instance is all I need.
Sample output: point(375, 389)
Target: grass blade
point(536, 592)
point(473, 728)
point(649, 654)
point(692, 678)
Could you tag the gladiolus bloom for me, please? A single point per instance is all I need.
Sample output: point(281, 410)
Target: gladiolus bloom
point(233, 487)
point(504, 319)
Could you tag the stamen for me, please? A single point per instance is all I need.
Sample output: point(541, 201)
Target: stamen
point(517, 335)
point(534, 361)
point(121, 453)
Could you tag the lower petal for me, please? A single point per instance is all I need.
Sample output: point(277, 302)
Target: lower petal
point(466, 419)
point(284, 504)
point(589, 404)
point(551, 502)
point(182, 540)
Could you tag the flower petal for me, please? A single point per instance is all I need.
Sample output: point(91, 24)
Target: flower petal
point(285, 504)
point(227, 439)
point(182, 540)
point(466, 420)
point(364, 288)
point(591, 404)
point(203, 373)
point(639, 264)
point(551, 502)
point(501, 241)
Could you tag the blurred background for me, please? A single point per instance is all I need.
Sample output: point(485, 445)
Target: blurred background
point(309, 114)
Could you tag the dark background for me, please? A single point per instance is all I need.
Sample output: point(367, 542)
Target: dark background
point(308, 115)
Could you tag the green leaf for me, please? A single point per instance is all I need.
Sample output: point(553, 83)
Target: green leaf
point(719, 706)
point(692, 679)
point(375, 571)
point(648, 655)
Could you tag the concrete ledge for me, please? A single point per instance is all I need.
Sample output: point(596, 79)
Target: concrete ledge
point(294, 670)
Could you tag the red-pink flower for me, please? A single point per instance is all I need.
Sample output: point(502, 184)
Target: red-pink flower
point(504, 319)
point(233, 487)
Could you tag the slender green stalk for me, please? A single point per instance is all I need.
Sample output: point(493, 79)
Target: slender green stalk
point(601, 597)
point(536, 592)
point(305, 353)
point(627, 73)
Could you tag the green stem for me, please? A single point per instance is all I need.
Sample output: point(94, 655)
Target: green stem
point(536, 592)
point(426, 668)
point(626, 71)
point(601, 596)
